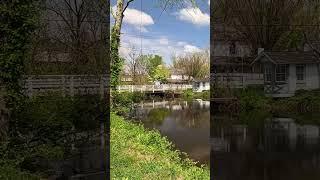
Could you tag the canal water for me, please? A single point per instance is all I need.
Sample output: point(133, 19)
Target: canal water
point(185, 124)
point(265, 147)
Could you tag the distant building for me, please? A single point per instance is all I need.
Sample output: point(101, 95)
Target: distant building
point(178, 77)
point(286, 72)
point(200, 85)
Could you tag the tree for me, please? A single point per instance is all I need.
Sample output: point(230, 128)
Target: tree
point(18, 21)
point(260, 23)
point(194, 65)
point(137, 67)
point(152, 62)
point(161, 73)
point(116, 62)
point(73, 35)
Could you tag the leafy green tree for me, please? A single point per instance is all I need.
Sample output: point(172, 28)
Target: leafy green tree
point(152, 63)
point(161, 73)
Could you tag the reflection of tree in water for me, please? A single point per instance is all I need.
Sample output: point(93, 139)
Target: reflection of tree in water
point(193, 116)
point(156, 116)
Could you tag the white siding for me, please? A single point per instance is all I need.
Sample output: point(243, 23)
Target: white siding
point(312, 76)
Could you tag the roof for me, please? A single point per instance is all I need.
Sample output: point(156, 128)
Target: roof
point(228, 60)
point(206, 79)
point(289, 57)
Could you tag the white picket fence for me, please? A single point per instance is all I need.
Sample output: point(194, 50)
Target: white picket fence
point(238, 80)
point(66, 84)
point(154, 88)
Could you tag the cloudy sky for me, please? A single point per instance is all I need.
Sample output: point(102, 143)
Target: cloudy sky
point(176, 31)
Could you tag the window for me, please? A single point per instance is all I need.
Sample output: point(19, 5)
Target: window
point(300, 72)
point(281, 73)
point(268, 73)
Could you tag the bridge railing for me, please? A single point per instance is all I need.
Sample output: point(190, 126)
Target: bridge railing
point(154, 88)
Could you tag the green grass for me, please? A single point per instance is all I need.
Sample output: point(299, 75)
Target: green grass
point(8, 172)
point(137, 153)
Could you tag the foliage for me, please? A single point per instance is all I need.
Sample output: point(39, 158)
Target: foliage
point(154, 63)
point(161, 73)
point(194, 65)
point(122, 101)
point(10, 172)
point(18, 22)
point(189, 94)
point(270, 19)
point(304, 101)
point(79, 48)
point(46, 126)
point(116, 61)
point(140, 154)
point(251, 99)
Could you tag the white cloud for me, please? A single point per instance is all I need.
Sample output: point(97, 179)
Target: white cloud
point(209, 2)
point(162, 46)
point(190, 48)
point(194, 16)
point(136, 18)
point(163, 41)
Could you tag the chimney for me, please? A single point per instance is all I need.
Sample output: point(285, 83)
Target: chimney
point(260, 50)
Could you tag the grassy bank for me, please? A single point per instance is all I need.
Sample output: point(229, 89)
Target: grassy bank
point(137, 153)
point(250, 99)
point(189, 94)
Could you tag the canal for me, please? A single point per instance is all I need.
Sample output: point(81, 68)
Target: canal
point(263, 146)
point(185, 124)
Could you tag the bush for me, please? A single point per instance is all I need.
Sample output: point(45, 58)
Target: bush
point(122, 101)
point(251, 98)
point(187, 94)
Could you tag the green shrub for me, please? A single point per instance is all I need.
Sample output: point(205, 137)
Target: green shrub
point(123, 101)
point(251, 98)
point(187, 94)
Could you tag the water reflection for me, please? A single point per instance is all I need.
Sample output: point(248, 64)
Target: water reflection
point(186, 124)
point(268, 148)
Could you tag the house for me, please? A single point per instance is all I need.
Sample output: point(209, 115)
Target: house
point(285, 71)
point(200, 85)
point(178, 77)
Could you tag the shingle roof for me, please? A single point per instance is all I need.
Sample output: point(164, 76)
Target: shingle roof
point(294, 57)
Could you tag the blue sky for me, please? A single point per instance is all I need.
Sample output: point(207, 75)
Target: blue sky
point(179, 30)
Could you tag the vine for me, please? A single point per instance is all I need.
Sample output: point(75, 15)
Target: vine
point(18, 22)
point(116, 61)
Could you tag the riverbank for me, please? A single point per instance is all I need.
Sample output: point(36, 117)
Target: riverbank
point(304, 101)
point(137, 153)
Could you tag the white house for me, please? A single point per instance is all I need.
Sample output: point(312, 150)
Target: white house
point(285, 72)
point(200, 85)
point(178, 77)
